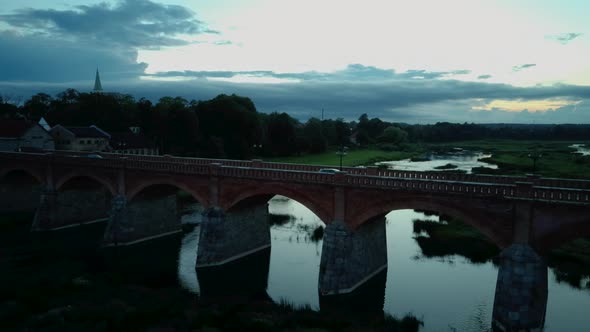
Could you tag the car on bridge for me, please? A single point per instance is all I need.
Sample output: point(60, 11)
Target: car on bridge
point(329, 170)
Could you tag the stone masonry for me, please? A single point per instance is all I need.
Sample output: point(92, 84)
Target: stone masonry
point(521, 290)
point(351, 257)
point(59, 209)
point(231, 235)
point(142, 219)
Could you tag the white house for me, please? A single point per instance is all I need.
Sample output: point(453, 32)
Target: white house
point(80, 138)
point(22, 135)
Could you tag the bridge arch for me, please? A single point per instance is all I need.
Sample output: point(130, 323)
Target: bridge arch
point(473, 217)
point(311, 203)
point(70, 176)
point(33, 173)
point(565, 233)
point(199, 197)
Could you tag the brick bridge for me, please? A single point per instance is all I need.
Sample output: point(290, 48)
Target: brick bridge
point(537, 213)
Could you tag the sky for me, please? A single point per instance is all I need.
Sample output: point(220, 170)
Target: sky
point(418, 61)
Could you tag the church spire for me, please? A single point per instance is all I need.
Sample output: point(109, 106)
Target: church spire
point(97, 85)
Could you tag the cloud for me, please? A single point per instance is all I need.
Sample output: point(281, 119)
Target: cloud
point(519, 105)
point(524, 66)
point(347, 93)
point(133, 23)
point(565, 38)
point(353, 73)
point(484, 77)
point(38, 59)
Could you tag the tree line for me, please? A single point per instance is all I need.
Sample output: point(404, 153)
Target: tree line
point(229, 126)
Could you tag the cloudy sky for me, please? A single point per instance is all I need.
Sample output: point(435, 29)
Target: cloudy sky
point(413, 61)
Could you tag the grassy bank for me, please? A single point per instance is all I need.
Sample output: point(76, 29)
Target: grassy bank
point(439, 239)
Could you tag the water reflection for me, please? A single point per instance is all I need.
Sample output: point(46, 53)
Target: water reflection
point(520, 301)
point(367, 299)
point(463, 160)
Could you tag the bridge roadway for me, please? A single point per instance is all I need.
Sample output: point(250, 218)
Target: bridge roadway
point(520, 214)
point(553, 189)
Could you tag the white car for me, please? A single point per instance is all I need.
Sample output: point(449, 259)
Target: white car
point(329, 170)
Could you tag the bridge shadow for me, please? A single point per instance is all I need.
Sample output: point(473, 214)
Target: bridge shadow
point(242, 279)
point(368, 299)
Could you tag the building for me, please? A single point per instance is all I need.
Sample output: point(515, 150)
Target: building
point(23, 135)
point(80, 138)
point(132, 142)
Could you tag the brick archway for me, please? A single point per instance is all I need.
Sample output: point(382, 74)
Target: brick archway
point(33, 173)
point(562, 236)
point(320, 205)
point(107, 183)
point(198, 196)
point(478, 218)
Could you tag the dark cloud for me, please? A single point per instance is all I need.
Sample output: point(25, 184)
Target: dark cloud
point(412, 101)
point(524, 66)
point(133, 23)
point(38, 59)
point(565, 38)
point(484, 77)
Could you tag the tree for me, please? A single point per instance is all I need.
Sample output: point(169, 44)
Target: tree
point(393, 135)
point(315, 140)
point(281, 135)
point(38, 106)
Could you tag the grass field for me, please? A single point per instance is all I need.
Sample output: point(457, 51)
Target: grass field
point(555, 158)
point(352, 158)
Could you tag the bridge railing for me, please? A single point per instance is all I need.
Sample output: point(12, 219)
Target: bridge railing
point(517, 187)
point(370, 171)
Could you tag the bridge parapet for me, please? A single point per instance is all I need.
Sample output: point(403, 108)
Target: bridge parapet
point(550, 189)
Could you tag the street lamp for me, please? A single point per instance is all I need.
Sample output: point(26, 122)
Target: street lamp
point(341, 153)
point(257, 148)
point(535, 156)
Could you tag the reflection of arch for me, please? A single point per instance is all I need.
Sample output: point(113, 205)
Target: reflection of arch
point(479, 220)
point(563, 234)
point(145, 184)
point(105, 182)
point(278, 189)
point(30, 172)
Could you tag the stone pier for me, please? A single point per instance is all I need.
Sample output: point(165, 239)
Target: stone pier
point(227, 236)
point(63, 209)
point(143, 219)
point(350, 258)
point(520, 301)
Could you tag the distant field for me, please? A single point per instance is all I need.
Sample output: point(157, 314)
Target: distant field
point(512, 156)
point(352, 158)
point(555, 158)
